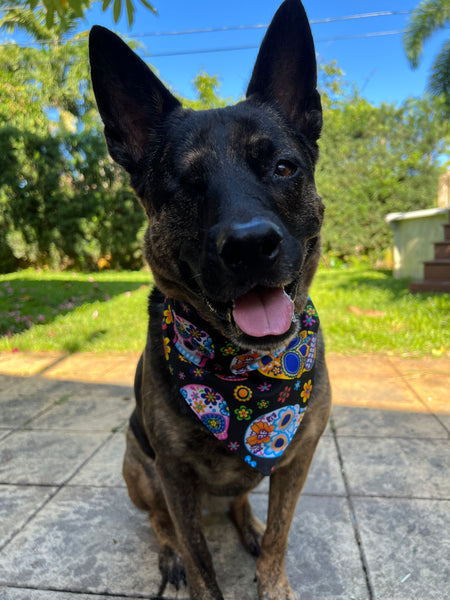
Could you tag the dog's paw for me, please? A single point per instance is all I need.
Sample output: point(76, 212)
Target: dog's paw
point(269, 589)
point(171, 567)
point(250, 528)
point(251, 535)
point(283, 592)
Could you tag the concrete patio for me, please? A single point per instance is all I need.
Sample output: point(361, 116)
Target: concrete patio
point(372, 522)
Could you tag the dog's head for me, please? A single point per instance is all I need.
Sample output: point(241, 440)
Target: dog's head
point(234, 216)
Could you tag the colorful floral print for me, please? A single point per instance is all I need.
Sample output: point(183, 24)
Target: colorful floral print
point(261, 433)
point(263, 403)
point(210, 396)
point(242, 393)
point(233, 446)
point(307, 389)
point(167, 347)
point(237, 394)
point(284, 394)
point(243, 413)
point(229, 349)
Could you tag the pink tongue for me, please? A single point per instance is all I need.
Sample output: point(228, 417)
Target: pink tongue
point(266, 311)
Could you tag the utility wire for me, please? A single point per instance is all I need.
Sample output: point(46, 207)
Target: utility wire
point(386, 13)
point(250, 47)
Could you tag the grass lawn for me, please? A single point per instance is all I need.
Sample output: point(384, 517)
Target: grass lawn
point(361, 310)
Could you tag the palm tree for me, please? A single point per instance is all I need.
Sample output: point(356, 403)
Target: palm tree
point(30, 15)
point(15, 14)
point(429, 17)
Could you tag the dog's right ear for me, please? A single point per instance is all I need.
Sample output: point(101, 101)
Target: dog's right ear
point(131, 100)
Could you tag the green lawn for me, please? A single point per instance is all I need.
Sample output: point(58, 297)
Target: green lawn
point(361, 310)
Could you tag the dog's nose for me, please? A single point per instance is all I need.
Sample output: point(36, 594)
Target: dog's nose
point(255, 243)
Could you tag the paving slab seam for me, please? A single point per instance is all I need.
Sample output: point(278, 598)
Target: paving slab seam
point(55, 493)
point(77, 592)
point(413, 391)
point(26, 484)
point(365, 436)
point(25, 426)
point(400, 497)
point(364, 563)
point(25, 523)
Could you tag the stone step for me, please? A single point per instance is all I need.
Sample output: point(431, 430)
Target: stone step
point(430, 286)
point(447, 232)
point(437, 270)
point(442, 249)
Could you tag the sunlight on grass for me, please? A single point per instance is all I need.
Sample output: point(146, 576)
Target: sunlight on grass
point(71, 312)
point(369, 311)
point(361, 311)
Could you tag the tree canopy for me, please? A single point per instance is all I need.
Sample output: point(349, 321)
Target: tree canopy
point(64, 203)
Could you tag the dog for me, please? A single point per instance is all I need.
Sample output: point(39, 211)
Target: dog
point(232, 385)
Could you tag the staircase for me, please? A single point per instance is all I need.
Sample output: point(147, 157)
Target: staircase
point(436, 271)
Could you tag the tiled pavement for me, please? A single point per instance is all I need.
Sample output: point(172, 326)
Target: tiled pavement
point(372, 522)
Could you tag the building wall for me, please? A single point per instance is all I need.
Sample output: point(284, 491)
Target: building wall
point(414, 237)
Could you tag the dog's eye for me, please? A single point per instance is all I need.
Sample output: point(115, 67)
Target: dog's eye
point(285, 168)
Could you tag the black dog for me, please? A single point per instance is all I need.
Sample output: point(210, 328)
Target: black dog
point(232, 384)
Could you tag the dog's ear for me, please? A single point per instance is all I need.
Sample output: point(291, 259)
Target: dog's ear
point(285, 72)
point(131, 100)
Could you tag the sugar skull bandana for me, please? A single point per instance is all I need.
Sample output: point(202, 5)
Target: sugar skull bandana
point(250, 401)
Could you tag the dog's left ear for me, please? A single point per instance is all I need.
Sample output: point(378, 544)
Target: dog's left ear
point(285, 72)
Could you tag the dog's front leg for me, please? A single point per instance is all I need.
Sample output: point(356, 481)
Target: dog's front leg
point(183, 501)
point(286, 484)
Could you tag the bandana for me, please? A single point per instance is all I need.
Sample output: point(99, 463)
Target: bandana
point(250, 401)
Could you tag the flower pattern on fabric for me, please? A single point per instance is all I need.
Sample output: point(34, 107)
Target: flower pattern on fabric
point(284, 394)
point(261, 433)
point(297, 358)
point(307, 389)
point(269, 435)
point(264, 387)
point(168, 318)
point(242, 393)
point(263, 403)
point(243, 413)
point(229, 350)
point(210, 408)
point(191, 342)
point(251, 401)
point(167, 347)
point(197, 373)
point(210, 396)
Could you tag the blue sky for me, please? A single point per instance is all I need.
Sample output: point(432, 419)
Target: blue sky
point(376, 64)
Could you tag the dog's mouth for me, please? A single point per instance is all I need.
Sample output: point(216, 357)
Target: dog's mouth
point(263, 315)
point(264, 311)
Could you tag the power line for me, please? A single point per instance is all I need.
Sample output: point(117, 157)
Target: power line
point(386, 13)
point(256, 46)
point(371, 15)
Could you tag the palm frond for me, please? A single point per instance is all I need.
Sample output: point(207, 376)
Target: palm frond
point(439, 82)
point(35, 23)
point(427, 18)
point(32, 21)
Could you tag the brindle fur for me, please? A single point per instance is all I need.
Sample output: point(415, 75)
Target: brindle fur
point(197, 174)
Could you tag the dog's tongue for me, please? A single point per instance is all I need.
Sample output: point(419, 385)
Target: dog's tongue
point(264, 311)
